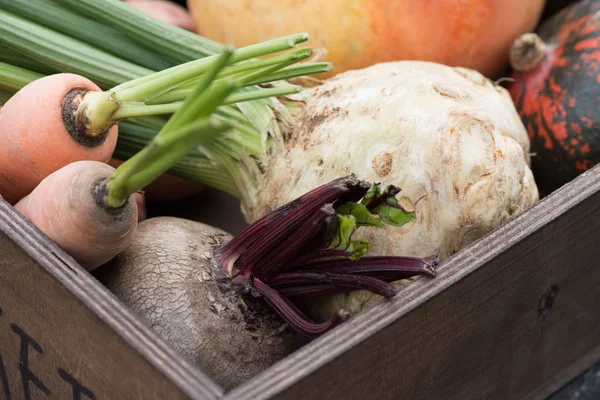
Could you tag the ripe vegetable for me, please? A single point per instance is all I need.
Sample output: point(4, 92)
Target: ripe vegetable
point(169, 281)
point(166, 11)
point(466, 33)
point(206, 293)
point(65, 206)
point(556, 89)
point(451, 139)
point(40, 133)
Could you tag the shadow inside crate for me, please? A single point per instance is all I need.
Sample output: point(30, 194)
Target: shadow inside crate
point(211, 207)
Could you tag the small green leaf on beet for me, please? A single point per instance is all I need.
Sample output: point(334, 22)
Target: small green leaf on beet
point(360, 212)
point(393, 213)
point(358, 248)
point(345, 225)
point(385, 204)
point(375, 196)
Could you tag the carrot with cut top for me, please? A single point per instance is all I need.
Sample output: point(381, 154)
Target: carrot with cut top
point(71, 107)
point(40, 134)
point(66, 207)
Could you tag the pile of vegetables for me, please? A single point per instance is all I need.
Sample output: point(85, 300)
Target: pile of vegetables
point(351, 186)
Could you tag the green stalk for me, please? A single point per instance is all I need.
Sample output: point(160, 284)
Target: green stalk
point(158, 157)
point(238, 70)
point(130, 110)
point(171, 42)
point(293, 72)
point(193, 68)
point(5, 95)
point(64, 53)
point(100, 110)
point(9, 56)
point(261, 94)
point(50, 15)
point(13, 78)
point(182, 133)
point(195, 166)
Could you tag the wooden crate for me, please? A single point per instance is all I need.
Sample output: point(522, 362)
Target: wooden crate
point(513, 316)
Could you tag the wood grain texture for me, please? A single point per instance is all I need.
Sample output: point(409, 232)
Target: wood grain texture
point(513, 316)
point(63, 335)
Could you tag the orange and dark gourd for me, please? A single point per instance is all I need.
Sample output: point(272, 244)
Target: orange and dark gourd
point(356, 34)
point(556, 90)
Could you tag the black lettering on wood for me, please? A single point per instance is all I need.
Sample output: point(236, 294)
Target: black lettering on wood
point(78, 388)
point(26, 374)
point(3, 376)
point(4, 380)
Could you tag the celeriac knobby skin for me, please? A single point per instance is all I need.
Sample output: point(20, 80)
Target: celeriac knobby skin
point(448, 137)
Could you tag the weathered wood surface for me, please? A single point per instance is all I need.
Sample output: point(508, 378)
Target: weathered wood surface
point(63, 336)
point(514, 316)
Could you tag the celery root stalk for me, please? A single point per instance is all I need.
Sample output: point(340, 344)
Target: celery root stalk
point(448, 137)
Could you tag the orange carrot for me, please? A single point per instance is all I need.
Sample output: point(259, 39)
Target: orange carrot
point(88, 208)
point(40, 134)
point(67, 207)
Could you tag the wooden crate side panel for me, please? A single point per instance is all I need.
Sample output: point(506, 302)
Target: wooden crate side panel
point(64, 336)
point(506, 316)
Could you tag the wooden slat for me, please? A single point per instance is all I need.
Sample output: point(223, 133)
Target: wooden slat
point(71, 331)
point(513, 316)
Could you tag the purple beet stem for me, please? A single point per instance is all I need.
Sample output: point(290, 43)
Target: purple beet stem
point(292, 315)
point(248, 246)
point(286, 249)
point(352, 281)
point(401, 265)
point(296, 242)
